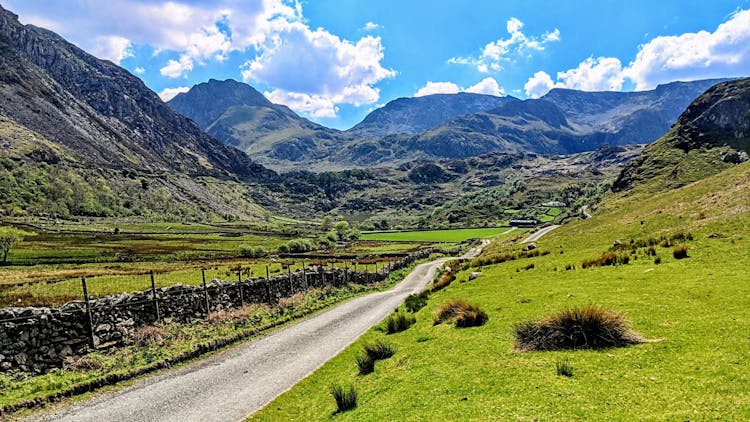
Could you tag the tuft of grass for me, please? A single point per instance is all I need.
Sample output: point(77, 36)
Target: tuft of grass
point(379, 350)
point(398, 322)
point(680, 252)
point(149, 335)
point(443, 281)
point(461, 313)
point(365, 364)
point(564, 368)
point(416, 302)
point(607, 258)
point(346, 397)
point(589, 327)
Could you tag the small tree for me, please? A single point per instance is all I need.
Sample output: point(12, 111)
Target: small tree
point(327, 223)
point(9, 237)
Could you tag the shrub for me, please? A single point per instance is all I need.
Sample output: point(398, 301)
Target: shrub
point(247, 251)
point(283, 248)
point(148, 335)
point(365, 364)
point(398, 322)
point(651, 251)
point(379, 350)
point(563, 368)
point(461, 313)
point(346, 397)
point(680, 252)
point(590, 327)
point(657, 260)
point(416, 302)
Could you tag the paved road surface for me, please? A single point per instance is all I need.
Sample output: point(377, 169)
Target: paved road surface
point(534, 237)
point(233, 384)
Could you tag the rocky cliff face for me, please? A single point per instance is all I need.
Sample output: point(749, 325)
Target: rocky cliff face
point(415, 115)
point(99, 112)
point(712, 134)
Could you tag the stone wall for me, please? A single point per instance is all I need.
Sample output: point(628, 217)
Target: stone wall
point(39, 339)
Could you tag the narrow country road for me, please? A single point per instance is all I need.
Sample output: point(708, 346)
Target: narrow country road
point(231, 385)
point(536, 236)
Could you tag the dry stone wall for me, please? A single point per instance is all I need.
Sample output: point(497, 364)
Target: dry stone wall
point(39, 339)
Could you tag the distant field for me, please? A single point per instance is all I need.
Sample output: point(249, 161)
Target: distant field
point(457, 235)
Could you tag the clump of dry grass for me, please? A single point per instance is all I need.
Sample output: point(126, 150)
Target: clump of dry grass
point(590, 327)
point(84, 363)
point(461, 313)
point(607, 258)
point(148, 335)
point(249, 314)
point(680, 252)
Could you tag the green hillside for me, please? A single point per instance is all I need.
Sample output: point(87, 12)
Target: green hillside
point(696, 309)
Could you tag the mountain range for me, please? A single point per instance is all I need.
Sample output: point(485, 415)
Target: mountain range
point(80, 136)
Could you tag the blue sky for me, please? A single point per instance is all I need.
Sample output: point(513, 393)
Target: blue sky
point(333, 61)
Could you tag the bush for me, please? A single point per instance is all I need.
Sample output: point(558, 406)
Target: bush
point(346, 397)
point(657, 260)
point(379, 350)
point(247, 251)
point(300, 245)
point(365, 364)
point(590, 327)
point(680, 252)
point(416, 302)
point(563, 368)
point(398, 322)
point(283, 248)
point(461, 313)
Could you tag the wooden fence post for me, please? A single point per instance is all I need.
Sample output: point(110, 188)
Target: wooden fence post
point(154, 298)
point(205, 291)
point(268, 284)
point(239, 284)
point(304, 274)
point(88, 313)
point(291, 284)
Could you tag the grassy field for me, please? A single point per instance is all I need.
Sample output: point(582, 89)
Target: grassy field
point(697, 311)
point(456, 236)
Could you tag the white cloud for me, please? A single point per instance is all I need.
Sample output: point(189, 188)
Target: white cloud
point(600, 74)
point(495, 53)
point(539, 84)
point(273, 35)
point(431, 88)
point(169, 93)
point(487, 86)
point(695, 55)
point(139, 70)
point(315, 106)
point(371, 26)
point(177, 68)
point(689, 56)
point(309, 68)
point(113, 48)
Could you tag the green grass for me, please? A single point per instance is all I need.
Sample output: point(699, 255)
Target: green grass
point(697, 308)
point(457, 235)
